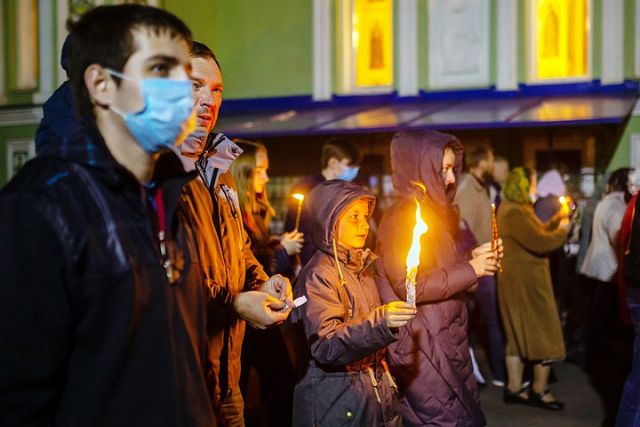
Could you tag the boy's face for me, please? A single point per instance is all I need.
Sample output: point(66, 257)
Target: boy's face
point(158, 55)
point(353, 225)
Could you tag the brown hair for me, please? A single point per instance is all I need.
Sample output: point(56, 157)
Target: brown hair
point(256, 208)
point(340, 149)
point(475, 155)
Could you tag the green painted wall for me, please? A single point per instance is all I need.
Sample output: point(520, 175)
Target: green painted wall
point(622, 155)
point(265, 47)
point(629, 42)
point(423, 44)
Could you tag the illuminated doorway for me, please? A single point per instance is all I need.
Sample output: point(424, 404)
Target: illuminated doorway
point(559, 40)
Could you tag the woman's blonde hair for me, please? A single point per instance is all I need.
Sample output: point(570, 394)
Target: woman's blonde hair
point(256, 208)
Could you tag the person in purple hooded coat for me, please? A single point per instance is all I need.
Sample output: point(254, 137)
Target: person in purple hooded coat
point(345, 378)
point(431, 358)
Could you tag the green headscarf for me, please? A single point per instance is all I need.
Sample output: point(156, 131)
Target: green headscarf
point(516, 188)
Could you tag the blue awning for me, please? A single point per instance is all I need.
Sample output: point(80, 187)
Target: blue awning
point(451, 114)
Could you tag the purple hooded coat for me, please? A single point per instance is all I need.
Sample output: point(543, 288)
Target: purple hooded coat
point(431, 358)
point(344, 327)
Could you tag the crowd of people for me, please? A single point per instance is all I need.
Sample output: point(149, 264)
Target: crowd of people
point(136, 248)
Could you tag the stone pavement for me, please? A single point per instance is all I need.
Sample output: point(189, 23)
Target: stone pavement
point(583, 407)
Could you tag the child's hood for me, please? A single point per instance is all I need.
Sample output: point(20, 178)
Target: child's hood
point(325, 204)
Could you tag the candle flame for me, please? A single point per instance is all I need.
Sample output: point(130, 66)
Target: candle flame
point(298, 196)
point(413, 257)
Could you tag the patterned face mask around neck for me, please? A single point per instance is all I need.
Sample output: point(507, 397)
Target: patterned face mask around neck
point(167, 115)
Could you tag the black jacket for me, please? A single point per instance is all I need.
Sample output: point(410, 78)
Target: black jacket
point(91, 330)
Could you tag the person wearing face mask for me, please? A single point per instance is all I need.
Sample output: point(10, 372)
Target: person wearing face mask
point(340, 159)
point(102, 317)
point(240, 290)
point(431, 359)
point(525, 294)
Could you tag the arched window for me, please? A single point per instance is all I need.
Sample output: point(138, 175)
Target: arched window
point(559, 39)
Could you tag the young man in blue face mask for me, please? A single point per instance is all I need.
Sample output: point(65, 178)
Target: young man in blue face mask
point(240, 289)
point(102, 315)
point(340, 159)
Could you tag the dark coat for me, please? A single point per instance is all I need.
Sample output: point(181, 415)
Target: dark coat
point(431, 358)
point(59, 120)
point(91, 331)
point(304, 186)
point(344, 327)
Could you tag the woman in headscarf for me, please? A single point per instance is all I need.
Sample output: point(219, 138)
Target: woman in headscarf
point(431, 358)
point(527, 305)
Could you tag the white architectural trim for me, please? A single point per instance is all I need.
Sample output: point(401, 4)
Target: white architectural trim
point(507, 45)
point(63, 15)
point(407, 48)
point(458, 44)
point(322, 50)
point(613, 42)
point(634, 150)
point(45, 55)
point(20, 116)
point(19, 151)
point(637, 37)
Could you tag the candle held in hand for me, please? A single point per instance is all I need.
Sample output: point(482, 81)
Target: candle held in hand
point(300, 198)
point(413, 257)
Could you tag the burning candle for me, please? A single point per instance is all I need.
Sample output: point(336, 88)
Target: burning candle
point(494, 228)
point(300, 198)
point(413, 257)
point(564, 201)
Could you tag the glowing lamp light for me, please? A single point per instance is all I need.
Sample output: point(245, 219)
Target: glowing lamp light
point(413, 257)
point(300, 198)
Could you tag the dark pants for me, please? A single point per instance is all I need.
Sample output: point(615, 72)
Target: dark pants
point(486, 323)
point(629, 412)
point(608, 349)
point(266, 352)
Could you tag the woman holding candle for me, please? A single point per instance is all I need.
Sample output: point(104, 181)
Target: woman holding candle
point(266, 350)
point(431, 358)
point(527, 305)
point(345, 380)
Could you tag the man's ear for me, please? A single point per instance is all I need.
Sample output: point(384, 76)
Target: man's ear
point(331, 164)
point(100, 86)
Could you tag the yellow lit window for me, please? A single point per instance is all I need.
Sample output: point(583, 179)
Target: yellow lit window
point(561, 38)
point(368, 41)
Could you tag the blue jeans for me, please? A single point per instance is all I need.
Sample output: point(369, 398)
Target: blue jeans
point(629, 411)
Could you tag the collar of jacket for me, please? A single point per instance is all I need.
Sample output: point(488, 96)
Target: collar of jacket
point(87, 148)
point(355, 260)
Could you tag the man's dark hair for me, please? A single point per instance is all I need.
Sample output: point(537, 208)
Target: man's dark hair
point(201, 50)
point(619, 181)
point(340, 149)
point(104, 36)
point(475, 155)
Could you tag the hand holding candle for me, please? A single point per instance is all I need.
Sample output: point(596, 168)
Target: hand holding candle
point(300, 198)
point(413, 257)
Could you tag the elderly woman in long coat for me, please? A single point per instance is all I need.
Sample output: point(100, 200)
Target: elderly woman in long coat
point(525, 294)
point(431, 357)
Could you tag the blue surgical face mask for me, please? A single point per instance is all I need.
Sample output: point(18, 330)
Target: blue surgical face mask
point(349, 173)
point(167, 115)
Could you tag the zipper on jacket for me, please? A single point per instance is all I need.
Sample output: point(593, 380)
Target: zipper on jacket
point(157, 201)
